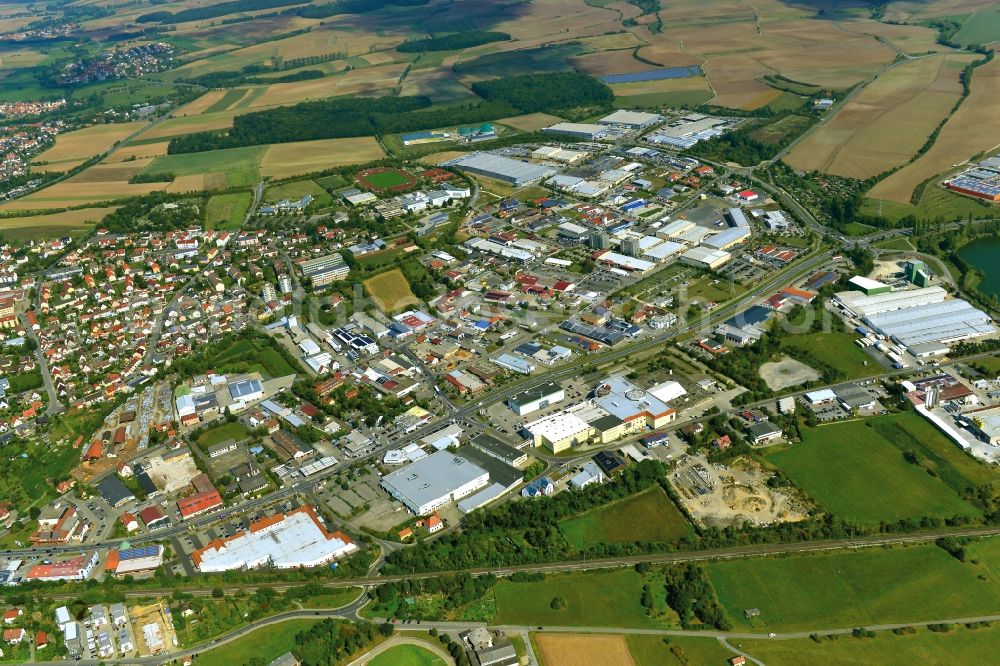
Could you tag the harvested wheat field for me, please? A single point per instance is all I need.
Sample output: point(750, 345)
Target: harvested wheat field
point(201, 104)
point(283, 160)
point(530, 122)
point(970, 130)
point(390, 291)
point(74, 193)
point(142, 151)
point(885, 124)
point(583, 650)
point(192, 183)
point(621, 40)
point(74, 148)
point(299, 91)
point(111, 172)
point(203, 122)
point(562, 18)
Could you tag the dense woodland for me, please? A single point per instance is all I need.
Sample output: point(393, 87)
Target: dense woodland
point(459, 40)
point(546, 92)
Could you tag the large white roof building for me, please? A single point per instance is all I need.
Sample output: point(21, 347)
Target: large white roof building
point(284, 541)
point(434, 481)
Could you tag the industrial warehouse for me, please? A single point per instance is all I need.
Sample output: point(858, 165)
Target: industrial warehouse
point(283, 541)
point(501, 168)
point(921, 320)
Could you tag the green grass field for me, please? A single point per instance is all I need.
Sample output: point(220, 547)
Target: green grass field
point(958, 646)
point(245, 356)
point(296, 190)
point(266, 643)
point(334, 598)
point(856, 473)
point(227, 211)
point(982, 27)
point(241, 165)
point(218, 434)
point(868, 586)
point(407, 655)
point(647, 516)
point(934, 202)
point(836, 349)
point(649, 650)
point(232, 96)
point(593, 599)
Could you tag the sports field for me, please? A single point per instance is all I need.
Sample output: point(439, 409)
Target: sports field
point(618, 592)
point(72, 149)
point(959, 645)
point(285, 160)
point(582, 650)
point(71, 223)
point(970, 130)
point(885, 124)
point(646, 516)
point(856, 588)
point(390, 290)
point(856, 471)
point(227, 211)
point(384, 178)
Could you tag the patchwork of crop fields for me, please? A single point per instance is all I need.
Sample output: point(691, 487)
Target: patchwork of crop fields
point(887, 122)
point(970, 130)
point(72, 149)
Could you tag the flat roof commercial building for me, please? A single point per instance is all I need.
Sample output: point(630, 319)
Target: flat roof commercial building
point(634, 406)
point(579, 130)
point(501, 168)
point(868, 286)
point(863, 305)
point(706, 258)
point(538, 397)
point(631, 119)
point(559, 431)
point(283, 541)
point(942, 323)
point(434, 481)
point(134, 560)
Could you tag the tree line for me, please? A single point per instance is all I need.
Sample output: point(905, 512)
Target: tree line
point(459, 40)
point(355, 7)
point(546, 92)
point(213, 11)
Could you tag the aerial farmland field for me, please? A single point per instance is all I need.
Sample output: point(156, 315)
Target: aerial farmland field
point(970, 131)
point(74, 148)
point(887, 122)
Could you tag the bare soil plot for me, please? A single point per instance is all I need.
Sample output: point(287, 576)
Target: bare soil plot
point(886, 123)
point(610, 62)
point(970, 130)
point(443, 156)
point(735, 81)
point(583, 650)
point(299, 91)
point(530, 122)
point(785, 373)
point(669, 54)
point(74, 148)
point(283, 160)
point(174, 474)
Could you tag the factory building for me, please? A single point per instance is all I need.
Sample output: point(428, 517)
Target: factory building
point(579, 130)
point(497, 167)
point(635, 120)
point(868, 287)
